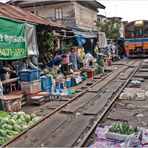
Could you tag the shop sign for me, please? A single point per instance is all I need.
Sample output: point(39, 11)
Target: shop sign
point(12, 40)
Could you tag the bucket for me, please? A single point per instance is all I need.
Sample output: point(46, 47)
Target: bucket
point(68, 83)
point(100, 57)
point(73, 82)
point(109, 63)
point(90, 74)
point(84, 76)
point(101, 69)
point(100, 63)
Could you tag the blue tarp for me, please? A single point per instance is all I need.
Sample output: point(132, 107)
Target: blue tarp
point(81, 41)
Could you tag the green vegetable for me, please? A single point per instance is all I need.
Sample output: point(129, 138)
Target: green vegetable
point(9, 127)
point(17, 128)
point(15, 117)
point(27, 118)
point(4, 120)
point(22, 117)
point(2, 133)
point(33, 116)
point(12, 122)
point(123, 128)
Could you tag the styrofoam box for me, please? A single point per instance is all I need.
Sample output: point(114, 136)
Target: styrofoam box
point(123, 137)
point(31, 87)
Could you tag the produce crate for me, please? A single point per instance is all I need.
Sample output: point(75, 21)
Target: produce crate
point(29, 75)
point(123, 131)
point(46, 81)
point(31, 87)
point(12, 103)
point(122, 137)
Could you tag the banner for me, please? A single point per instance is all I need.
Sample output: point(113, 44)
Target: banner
point(12, 40)
point(31, 40)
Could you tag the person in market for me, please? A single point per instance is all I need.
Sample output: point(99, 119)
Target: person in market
point(81, 55)
point(64, 64)
point(24, 64)
point(7, 72)
point(96, 50)
point(113, 51)
point(108, 49)
point(73, 59)
point(5, 69)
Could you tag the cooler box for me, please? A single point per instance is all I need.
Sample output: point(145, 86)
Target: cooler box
point(46, 81)
point(37, 100)
point(29, 75)
point(31, 87)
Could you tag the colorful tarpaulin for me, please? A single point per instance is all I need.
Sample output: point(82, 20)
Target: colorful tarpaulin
point(103, 142)
point(12, 39)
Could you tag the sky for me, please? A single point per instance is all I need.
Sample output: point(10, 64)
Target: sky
point(128, 10)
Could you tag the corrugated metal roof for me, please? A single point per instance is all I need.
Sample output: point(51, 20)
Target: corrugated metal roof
point(26, 3)
point(15, 12)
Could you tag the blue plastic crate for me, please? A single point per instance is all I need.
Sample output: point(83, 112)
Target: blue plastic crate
point(46, 82)
point(29, 75)
point(48, 89)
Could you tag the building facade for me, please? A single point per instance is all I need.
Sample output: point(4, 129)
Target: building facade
point(70, 13)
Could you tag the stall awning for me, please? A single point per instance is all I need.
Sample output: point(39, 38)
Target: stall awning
point(84, 34)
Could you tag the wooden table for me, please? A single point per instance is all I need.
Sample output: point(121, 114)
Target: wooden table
point(10, 81)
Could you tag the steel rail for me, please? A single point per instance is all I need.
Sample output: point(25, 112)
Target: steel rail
point(56, 110)
point(83, 142)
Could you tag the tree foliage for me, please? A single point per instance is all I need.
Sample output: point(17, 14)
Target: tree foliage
point(111, 28)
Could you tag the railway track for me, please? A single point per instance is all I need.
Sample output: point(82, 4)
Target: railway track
point(72, 123)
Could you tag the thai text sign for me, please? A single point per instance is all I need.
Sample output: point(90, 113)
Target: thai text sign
point(12, 39)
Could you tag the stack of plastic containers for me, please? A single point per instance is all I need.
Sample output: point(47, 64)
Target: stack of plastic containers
point(46, 84)
point(30, 83)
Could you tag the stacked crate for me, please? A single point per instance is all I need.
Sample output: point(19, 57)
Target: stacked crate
point(30, 83)
point(46, 84)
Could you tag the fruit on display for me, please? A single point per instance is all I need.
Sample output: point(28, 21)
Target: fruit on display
point(13, 123)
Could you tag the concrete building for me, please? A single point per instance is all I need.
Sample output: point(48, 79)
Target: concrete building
point(69, 13)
